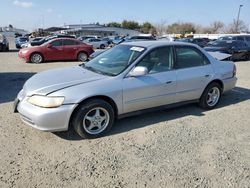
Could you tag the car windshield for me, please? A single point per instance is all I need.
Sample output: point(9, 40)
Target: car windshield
point(116, 60)
point(221, 44)
point(23, 39)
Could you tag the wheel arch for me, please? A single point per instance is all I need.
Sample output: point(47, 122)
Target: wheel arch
point(35, 52)
point(214, 81)
point(82, 51)
point(102, 97)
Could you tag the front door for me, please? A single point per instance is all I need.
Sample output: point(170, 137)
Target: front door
point(154, 89)
point(55, 51)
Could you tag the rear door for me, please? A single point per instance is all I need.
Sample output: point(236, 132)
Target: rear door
point(193, 71)
point(70, 49)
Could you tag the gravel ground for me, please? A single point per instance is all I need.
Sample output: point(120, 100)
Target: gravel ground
point(181, 147)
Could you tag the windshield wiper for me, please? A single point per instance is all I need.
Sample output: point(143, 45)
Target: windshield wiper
point(97, 71)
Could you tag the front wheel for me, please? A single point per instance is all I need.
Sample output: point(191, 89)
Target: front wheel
point(36, 58)
point(93, 118)
point(211, 96)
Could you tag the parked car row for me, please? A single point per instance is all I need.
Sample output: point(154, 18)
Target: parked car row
point(57, 49)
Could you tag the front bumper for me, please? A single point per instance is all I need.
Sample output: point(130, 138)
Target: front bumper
point(45, 119)
point(24, 57)
point(229, 84)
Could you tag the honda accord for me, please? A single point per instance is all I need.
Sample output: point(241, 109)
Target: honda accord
point(127, 79)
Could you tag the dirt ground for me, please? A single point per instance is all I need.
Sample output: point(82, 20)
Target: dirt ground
point(181, 147)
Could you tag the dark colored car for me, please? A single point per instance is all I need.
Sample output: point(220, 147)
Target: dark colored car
point(21, 40)
point(244, 38)
point(238, 49)
point(57, 49)
point(46, 39)
point(141, 38)
point(4, 43)
point(199, 41)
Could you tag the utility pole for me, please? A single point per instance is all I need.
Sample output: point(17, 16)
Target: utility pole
point(238, 18)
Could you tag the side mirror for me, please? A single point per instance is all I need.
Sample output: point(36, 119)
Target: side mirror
point(138, 71)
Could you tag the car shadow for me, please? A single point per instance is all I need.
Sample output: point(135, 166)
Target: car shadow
point(12, 50)
point(11, 83)
point(235, 96)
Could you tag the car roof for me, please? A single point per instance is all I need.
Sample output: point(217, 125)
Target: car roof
point(152, 44)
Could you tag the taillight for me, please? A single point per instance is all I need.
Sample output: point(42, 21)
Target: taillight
point(234, 71)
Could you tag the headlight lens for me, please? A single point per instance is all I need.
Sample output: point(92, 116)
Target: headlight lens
point(24, 51)
point(45, 101)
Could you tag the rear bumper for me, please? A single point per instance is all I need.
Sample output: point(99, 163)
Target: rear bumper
point(229, 84)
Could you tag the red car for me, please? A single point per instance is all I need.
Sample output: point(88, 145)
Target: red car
point(57, 49)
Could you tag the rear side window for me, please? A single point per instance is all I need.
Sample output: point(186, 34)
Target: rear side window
point(189, 57)
point(69, 42)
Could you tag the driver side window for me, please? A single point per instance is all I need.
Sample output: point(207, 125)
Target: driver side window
point(158, 60)
point(57, 43)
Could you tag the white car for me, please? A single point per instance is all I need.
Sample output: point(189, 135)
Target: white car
point(27, 44)
point(126, 80)
point(96, 43)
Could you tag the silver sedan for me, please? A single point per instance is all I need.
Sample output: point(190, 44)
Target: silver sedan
point(127, 79)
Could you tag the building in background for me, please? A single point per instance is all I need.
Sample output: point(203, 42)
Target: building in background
point(92, 29)
point(11, 31)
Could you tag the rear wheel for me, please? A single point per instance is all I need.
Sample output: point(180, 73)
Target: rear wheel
point(211, 96)
point(82, 56)
point(36, 58)
point(102, 46)
point(247, 57)
point(7, 48)
point(93, 118)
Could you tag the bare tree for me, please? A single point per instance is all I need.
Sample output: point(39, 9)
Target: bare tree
point(161, 27)
point(216, 26)
point(235, 27)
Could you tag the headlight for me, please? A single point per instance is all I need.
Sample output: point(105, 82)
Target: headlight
point(45, 101)
point(24, 51)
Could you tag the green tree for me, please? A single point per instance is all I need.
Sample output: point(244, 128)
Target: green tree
point(147, 27)
point(113, 24)
point(181, 28)
point(130, 25)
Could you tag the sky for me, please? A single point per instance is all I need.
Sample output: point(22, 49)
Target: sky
point(33, 14)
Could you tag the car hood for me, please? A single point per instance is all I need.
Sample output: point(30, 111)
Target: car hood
point(50, 81)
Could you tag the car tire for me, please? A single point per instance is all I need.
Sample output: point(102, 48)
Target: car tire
point(36, 58)
point(211, 96)
point(93, 118)
point(7, 49)
point(82, 56)
point(247, 57)
point(102, 46)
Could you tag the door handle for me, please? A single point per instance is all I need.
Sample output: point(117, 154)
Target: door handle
point(169, 82)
